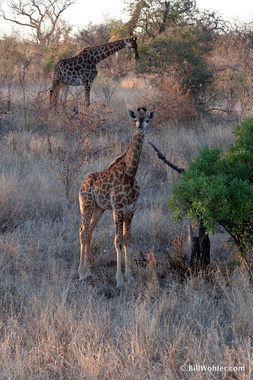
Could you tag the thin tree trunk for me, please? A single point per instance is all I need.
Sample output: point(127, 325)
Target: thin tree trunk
point(204, 247)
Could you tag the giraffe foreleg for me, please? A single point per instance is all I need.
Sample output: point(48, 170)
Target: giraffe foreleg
point(118, 243)
point(127, 240)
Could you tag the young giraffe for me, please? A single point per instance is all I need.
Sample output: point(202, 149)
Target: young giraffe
point(81, 70)
point(113, 189)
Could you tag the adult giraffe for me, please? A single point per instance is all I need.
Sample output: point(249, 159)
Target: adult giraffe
point(81, 69)
point(113, 189)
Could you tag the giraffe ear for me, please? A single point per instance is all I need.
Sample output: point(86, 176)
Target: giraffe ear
point(131, 114)
point(152, 115)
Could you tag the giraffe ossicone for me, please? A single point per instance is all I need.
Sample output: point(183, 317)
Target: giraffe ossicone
point(113, 189)
point(81, 69)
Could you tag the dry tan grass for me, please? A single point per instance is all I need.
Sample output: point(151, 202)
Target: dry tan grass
point(59, 329)
point(162, 327)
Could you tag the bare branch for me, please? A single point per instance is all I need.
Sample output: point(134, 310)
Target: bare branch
point(40, 15)
point(163, 158)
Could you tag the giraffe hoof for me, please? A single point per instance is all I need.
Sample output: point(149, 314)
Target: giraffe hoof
point(117, 290)
point(85, 278)
point(130, 280)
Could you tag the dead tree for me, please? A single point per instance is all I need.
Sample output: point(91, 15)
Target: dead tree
point(42, 17)
point(198, 255)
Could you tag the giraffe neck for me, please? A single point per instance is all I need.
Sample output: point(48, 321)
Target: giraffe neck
point(133, 153)
point(100, 52)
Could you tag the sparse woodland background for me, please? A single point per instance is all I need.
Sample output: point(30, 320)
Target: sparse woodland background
point(198, 76)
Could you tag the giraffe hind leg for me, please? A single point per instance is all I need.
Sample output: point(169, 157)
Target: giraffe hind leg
point(64, 94)
point(84, 264)
point(89, 220)
point(87, 98)
point(54, 94)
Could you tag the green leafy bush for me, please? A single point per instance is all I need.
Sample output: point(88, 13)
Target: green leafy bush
point(182, 49)
point(54, 56)
point(217, 189)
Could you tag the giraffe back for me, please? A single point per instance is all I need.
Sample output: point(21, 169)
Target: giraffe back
point(77, 70)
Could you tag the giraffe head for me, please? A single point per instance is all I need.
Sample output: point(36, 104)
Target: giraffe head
point(141, 118)
point(132, 45)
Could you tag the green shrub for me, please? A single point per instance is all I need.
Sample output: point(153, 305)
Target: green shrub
point(217, 189)
point(182, 49)
point(54, 57)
